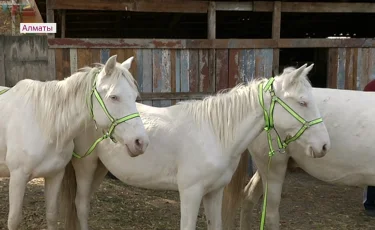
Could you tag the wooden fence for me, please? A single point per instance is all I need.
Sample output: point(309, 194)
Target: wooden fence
point(23, 57)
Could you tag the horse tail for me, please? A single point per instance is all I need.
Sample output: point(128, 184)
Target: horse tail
point(68, 194)
point(233, 192)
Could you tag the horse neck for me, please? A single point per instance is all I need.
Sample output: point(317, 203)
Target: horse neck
point(235, 117)
point(66, 110)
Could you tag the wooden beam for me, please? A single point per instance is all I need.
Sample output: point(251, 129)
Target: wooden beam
point(234, 6)
point(134, 5)
point(210, 43)
point(327, 7)
point(172, 96)
point(276, 25)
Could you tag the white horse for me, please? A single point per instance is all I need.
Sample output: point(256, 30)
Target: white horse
point(40, 120)
point(350, 161)
point(195, 147)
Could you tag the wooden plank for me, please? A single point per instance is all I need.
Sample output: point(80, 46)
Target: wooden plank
point(104, 55)
point(341, 68)
point(62, 56)
point(145, 73)
point(211, 23)
point(161, 74)
point(234, 6)
point(222, 69)
point(349, 69)
point(325, 7)
point(157, 96)
point(247, 65)
point(333, 59)
point(178, 72)
point(2, 62)
point(73, 61)
point(212, 70)
point(137, 6)
point(83, 58)
point(262, 6)
point(355, 83)
point(204, 77)
point(210, 43)
point(234, 68)
point(185, 85)
point(263, 63)
point(193, 59)
point(173, 74)
point(360, 70)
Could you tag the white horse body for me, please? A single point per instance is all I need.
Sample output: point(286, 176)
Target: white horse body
point(349, 118)
point(195, 147)
point(41, 119)
point(352, 131)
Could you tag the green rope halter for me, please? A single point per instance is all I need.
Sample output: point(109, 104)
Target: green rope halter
point(269, 125)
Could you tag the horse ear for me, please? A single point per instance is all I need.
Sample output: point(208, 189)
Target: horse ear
point(294, 75)
point(128, 63)
point(308, 69)
point(110, 65)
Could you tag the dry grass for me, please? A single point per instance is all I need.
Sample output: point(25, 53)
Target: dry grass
point(306, 204)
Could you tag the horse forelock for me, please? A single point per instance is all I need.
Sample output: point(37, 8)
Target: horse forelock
point(121, 72)
point(226, 110)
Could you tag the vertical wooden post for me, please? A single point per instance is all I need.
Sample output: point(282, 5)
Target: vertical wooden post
point(211, 34)
point(51, 52)
point(212, 20)
point(276, 24)
point(63, 24)
point(2, 61)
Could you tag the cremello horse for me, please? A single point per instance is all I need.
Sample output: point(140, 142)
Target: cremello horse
point(39, 121)
point(350, 161)
point(195, 147)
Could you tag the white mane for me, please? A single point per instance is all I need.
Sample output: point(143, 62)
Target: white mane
point(225, 111)
point(56, 103)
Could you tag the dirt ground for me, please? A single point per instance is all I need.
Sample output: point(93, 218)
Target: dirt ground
point(306, 204)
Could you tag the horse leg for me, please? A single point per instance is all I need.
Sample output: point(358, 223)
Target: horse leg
point(52, 187)
point(85, 171)
point(100, 173)
point(275, 177)
point(17, 185)
point(190, 202)
point(252, 193)
point(212, 203)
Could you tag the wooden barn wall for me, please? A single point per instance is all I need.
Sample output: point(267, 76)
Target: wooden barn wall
point(351, 68)
point(23, 57)
point(174, 70)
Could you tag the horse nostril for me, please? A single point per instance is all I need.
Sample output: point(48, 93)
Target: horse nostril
point(138, 143)
point(325, 148)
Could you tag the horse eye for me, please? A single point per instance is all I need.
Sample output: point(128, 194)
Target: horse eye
point(113, 97)
point(303, 103)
